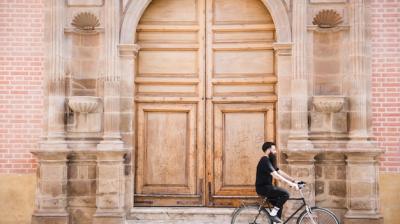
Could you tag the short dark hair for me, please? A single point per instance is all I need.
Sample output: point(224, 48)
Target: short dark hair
point(267, 145)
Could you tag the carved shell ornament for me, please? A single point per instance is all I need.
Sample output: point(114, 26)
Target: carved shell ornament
point(85, 21)
point(327, 18)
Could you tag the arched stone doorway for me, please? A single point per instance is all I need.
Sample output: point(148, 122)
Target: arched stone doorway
point(271, 41)
point(204, 100)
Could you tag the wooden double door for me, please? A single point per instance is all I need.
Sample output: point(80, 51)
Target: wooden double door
point(204, 101)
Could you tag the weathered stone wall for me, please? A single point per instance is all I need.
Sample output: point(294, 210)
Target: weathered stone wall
point(21, 100)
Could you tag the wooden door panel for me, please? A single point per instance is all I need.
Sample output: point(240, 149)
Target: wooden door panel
point(171, 11)
point(166, 151)
point(237, 62)
point(240, 11)
point(239, 131)
point(240, 96)
point(169, 93)
point(163, 62)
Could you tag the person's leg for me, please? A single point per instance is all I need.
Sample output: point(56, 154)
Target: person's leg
point(278, 197)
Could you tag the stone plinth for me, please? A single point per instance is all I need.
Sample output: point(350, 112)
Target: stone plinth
point(82, 186)
point(301, 167)
point(362, 176)
point(110, 193)
point(51, 196)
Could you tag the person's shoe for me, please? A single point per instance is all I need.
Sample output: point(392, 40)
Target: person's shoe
point(276, 219)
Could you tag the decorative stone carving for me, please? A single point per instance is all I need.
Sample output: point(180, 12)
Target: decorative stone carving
point(83, 104)
point(85, 119)
point(328, 104)
point(85, 21)
point(328, 115)
point(327, 18)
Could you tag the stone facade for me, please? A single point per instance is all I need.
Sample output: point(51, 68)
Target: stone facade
point(85, 171)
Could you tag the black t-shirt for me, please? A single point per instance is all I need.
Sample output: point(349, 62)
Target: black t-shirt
point(264, 169)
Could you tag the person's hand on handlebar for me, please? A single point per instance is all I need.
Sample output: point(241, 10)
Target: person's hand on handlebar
point(301, 184)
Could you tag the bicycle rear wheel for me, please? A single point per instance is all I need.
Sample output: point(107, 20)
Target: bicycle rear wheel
point(318, 216)
point(250, 215)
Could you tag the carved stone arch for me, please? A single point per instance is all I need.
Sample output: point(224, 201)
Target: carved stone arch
point(136, 9)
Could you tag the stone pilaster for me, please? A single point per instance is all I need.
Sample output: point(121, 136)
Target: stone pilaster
point(110, 193)
point(299, 86)
point(283, 60)
point(111, 78)
point(128, 54)
point(54, 69)
point(51, 193)
point(362, 175)
point(358, 91)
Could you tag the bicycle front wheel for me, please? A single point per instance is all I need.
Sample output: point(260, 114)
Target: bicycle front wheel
point(250, 215)
point(318, 216)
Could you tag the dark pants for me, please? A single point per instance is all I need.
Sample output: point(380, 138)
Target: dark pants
point(276, 195)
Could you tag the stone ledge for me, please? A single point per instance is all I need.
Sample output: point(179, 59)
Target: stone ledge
point(180, 215)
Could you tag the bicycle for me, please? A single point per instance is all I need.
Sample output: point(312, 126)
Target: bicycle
point(258, 214)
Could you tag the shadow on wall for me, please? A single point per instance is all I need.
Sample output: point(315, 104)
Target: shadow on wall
point(17, 195)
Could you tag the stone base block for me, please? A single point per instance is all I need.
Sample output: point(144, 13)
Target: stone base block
point(328, 122)
point(363, 221)
point(41, 219)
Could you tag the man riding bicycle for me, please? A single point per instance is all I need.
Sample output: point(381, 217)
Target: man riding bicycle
point(266, 169)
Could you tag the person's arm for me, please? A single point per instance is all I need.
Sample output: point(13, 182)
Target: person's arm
point(285, 175)
point(277, 176)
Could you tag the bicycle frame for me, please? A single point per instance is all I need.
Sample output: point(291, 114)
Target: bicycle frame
point(299, 209)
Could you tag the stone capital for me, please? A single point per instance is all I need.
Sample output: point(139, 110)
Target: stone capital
point(128, 50)
point(283, 49)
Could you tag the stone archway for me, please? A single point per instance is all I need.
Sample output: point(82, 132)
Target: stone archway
point(128, 50)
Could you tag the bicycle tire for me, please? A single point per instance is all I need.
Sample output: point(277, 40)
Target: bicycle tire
point(250, 215)
point(321, 216)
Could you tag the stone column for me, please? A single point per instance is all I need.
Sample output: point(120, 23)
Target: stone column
point(359, 72)
point(111, 78)
point(110, 193)
point(362, 175)
point(51, 193)
point(54, 69)
point(299, 124)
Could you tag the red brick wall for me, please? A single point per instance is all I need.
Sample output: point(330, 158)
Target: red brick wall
point(21, 95)
point(385, 27)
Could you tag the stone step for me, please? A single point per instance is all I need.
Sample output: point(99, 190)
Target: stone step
point(190, 215)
